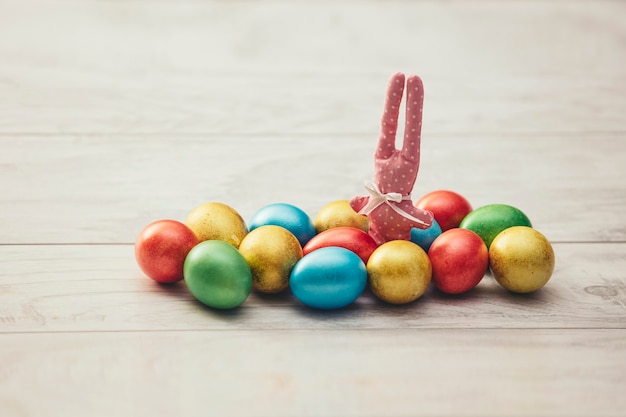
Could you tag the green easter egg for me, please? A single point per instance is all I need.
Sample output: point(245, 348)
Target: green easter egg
point(217, 274)
point(488, 221)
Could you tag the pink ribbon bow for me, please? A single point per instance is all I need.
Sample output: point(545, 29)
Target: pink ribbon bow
point(377, 198)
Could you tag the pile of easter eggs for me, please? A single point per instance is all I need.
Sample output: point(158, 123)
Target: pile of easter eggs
point(327, 261)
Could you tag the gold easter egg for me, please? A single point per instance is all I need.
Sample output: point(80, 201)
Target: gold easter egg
point(399, 272)
point(271, 252)
point(339, 214)
point(217, 221)
point(521, 259)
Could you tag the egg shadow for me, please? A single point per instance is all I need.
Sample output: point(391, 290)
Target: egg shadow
point(436, 294)
point(280, 299)
point(231, 315)
point(492, 304)
point(332, 318)
point(180, 292)
point(539, 298)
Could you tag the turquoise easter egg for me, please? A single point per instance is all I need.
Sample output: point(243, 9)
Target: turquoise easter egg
point(488, 221)
point(287, 216)
point(328, 278)
point(425, 237)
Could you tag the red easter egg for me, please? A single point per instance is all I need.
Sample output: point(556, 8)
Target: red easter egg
point(459, 258)
point(161, 249)
point(448, 207)
point(351, 238)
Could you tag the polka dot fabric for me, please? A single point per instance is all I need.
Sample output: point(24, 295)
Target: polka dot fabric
point(395, 170)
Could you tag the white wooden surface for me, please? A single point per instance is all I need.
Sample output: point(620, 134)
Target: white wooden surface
point(114, 114)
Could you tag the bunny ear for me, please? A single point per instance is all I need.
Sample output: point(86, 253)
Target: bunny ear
point(413, 122)
point(389, 122)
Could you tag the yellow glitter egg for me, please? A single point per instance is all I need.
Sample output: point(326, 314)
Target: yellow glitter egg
point(521, 259)
point(399, 272)
point(217, 221)
point(271, 252)
point(339, 214)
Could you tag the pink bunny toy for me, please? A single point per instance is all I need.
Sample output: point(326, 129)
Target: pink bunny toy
point(389, 208)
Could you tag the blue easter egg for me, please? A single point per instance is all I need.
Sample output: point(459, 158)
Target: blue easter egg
point(328, 278)
point(425, 237)
point(287, 216)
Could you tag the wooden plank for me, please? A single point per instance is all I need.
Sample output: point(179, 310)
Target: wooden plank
point(105, 189)
point(316, 373)
point(99, 288)
point(305, 67)
point(114, 114)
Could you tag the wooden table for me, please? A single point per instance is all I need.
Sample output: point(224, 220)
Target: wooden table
point(114, 114)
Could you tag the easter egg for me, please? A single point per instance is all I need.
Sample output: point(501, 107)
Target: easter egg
point(355, 240)
point(328, 278)
point(488, 221)
point(217, 274)
point(217, 221)
point(339, 214)
point(161, 248)
point(448, 208)
point(425, 237)
point(399, 272)
point(521, 259)
point(288, 216)
point(271, 252)
point(459, 258)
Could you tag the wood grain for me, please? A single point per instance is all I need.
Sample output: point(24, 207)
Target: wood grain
point(114, 114)
point(308, 67)
point(77, 189)
point(423, 372)
point(99, 288)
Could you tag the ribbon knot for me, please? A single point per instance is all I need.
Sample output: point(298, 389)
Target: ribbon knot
point(377, 198)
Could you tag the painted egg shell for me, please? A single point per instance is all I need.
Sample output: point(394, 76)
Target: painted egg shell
point(217, 274)
point(353, 239)
point(271, 252)
point(328, 278)
point(488, 221)
point(217, 221)
point(448, 208)
point(399, 272)
point(288, 216)
point(521, 259)
point(459, 258)
point(425, 237)
point(339, 214)
point(161, 249)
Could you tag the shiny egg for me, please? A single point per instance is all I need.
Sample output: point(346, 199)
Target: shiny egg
point(288, 216)
point(271, 252)
point(399, 272)
point(521, 259)
point(448, 207)
point(217, 275)
point(459, 258)
point(339, 214)
point(425, 237)
point(161, 249)
point(217, 221)
point(353, 239)
point(488, 221)
point(328, 278)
